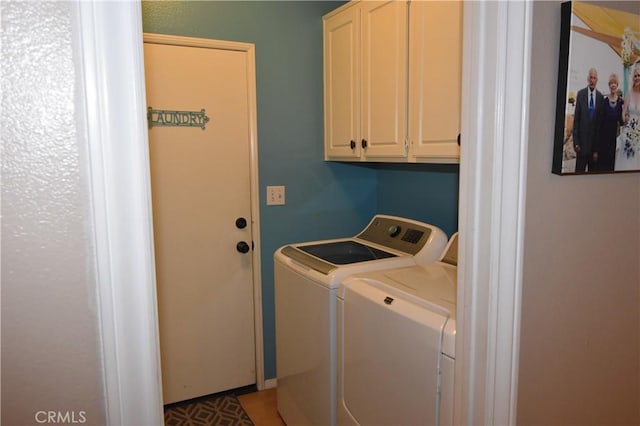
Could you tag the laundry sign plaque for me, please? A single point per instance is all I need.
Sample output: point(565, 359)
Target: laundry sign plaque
point(169, 118)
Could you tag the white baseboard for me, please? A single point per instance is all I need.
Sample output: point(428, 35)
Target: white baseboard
point(270, 383)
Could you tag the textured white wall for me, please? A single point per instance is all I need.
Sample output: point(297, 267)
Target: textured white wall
point(50, 341)
point(580, 335)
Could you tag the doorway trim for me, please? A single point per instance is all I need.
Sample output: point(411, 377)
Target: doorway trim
point(493, 180)
point(248, 48)
point(111, 109)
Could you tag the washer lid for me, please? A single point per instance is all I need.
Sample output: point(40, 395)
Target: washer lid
point(345, 252)
point(329, 257)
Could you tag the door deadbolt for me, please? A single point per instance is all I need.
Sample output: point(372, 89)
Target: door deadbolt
point(243, 247)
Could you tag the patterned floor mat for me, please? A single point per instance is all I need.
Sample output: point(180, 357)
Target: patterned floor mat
point(215, 411)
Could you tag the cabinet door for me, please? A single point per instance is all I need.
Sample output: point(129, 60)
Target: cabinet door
point(384, 78)
point(435, 70)
point(342, 84)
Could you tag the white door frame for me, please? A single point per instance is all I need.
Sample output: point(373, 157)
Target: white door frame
point(492, 184)
point(496, 76)
point(249, 49)
point(110, 78)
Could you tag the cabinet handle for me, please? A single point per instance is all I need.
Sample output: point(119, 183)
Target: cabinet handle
point(353, 144)
point(458, 139)
point(364, 143)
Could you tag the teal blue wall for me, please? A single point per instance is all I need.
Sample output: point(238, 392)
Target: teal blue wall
point(425, 192)
point(323, 199)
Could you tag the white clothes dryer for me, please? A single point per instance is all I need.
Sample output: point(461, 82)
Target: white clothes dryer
point(396, 344)
point(307, 276)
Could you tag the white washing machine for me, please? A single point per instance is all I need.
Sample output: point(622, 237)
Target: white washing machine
point(307, 276)
point(396, 344)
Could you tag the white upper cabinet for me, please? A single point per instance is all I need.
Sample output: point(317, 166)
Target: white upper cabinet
point(342, 84)
point(435, 71)
point(383, 112)
point(392, 81)
point(365, 72)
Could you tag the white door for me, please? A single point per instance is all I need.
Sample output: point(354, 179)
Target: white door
point(200, 178)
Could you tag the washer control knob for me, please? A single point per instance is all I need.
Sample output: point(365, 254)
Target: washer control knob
point(394, 230)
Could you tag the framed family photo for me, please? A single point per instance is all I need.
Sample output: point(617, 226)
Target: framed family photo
point(597, 127)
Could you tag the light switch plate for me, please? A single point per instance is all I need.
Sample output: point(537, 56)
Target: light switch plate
point(275, 195)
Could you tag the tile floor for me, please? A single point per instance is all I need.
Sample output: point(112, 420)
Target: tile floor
point(261, 407)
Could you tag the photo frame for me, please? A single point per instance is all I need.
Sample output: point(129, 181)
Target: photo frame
point(597, 128)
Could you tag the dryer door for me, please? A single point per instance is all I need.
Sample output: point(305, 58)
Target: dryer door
point(391, 350)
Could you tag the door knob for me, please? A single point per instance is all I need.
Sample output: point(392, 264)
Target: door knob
point(364, 143)
point(241, 223)
point(353, 144)
point(243, 247)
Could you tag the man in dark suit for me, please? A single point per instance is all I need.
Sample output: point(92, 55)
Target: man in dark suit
point(585, 123)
